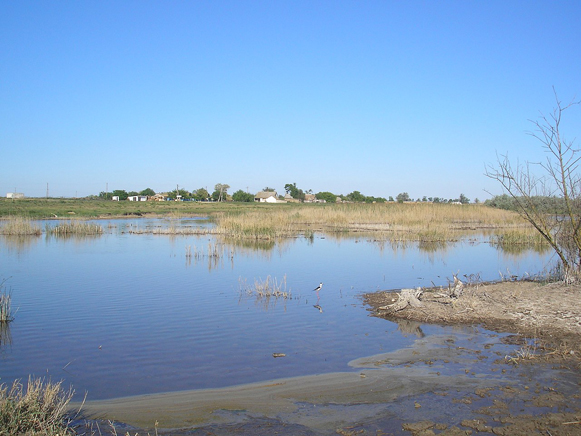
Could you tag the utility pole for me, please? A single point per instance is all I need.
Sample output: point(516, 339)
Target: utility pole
point(47, 190)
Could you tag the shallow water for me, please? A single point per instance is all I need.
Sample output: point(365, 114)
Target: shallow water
point(124, 314)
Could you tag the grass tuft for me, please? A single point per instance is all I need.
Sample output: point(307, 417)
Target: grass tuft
point(5, 301)
point(40, 408)
point(269, 288)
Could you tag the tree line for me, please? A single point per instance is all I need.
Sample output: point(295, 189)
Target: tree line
point(220, 193)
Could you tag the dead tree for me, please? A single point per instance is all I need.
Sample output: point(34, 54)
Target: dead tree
point(560, 228)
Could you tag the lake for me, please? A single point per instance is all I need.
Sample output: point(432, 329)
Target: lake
point(128, 314)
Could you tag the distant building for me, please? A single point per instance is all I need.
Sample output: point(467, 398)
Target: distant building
point(14, 195)
point(115, 198)
point(266, 197)
point(137, 198)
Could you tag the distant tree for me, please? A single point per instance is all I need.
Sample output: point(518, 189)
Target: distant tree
point(132, 193)
point(329, 197)
point(424, 198)
point(403, 196)
point(148, 191)
point(437, 200)
point(476, 201)
point(463, 199)
point(267, 189)
point(371, 199)
point(391, 198)
point(200, 194)
point(220, 192)
point(105, 195)
point(240, 195)
point(294, 192)
point(121, 194)
point(356, 197)
point(182, 192)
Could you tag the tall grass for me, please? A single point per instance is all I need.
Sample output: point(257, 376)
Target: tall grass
point(75, 228)
point(40, 408)
point(19, 226)
point(420, 222)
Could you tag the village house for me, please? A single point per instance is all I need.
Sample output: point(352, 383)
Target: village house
point(137, 198)
point(266, 197)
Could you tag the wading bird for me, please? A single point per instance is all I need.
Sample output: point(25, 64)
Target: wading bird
point(318, 288)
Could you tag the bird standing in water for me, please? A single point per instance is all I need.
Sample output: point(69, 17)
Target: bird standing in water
point(318, 288)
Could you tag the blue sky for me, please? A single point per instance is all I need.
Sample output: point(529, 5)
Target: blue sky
point(381, 97)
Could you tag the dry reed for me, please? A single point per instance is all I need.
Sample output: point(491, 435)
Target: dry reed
point(75, 228)
point(419, 222)
point(40, 408)
point(5, 304)
point(20, 226)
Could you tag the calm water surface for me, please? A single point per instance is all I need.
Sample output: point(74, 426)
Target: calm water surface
point(125, 314)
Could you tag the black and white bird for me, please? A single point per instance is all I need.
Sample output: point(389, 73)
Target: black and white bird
point(318, 288)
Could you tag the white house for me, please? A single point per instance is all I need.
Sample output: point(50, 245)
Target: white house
point(266, 197)
point(14, 195)
point(137, 198)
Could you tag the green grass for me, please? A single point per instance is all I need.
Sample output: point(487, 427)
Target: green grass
point(39, 408)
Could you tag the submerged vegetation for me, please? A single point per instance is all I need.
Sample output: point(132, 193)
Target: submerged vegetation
point(40, 408)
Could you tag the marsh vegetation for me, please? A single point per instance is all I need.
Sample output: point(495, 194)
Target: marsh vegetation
point(39, 408)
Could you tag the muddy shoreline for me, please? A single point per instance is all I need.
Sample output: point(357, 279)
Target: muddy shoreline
point(470, 381)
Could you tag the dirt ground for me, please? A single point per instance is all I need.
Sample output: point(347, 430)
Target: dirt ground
point(550, 312)
point(547, 321)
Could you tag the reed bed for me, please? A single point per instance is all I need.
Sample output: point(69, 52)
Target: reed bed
point(420, 222)
point(40, 408)
point(75, 228)
point(20, 226)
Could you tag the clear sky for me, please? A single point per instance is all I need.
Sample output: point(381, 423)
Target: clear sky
point(381, 97)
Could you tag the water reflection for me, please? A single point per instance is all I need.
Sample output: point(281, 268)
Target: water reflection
point(20, 243)
point(5, 336)
point(409, 328)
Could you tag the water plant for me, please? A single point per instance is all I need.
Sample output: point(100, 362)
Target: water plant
point(80, 228)
point(20, 226)
point(268, 288)
point(40, 408)
point(5, 300)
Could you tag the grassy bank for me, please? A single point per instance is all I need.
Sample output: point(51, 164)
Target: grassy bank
point(41, 208)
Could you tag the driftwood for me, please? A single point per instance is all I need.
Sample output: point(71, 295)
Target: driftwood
point(457, 288)
point(406, 297)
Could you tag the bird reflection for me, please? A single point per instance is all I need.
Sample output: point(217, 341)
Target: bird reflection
point(316, 306)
